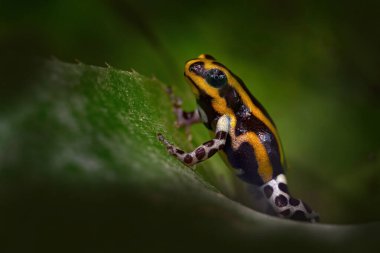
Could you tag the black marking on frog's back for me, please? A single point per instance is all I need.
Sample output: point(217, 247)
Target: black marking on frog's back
point(253, 99)
point(247, 122)
point(250, 123)
point(209, 57)
point(243, 160)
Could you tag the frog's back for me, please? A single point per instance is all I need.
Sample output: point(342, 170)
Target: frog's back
point(245, 156)
point(253, 147)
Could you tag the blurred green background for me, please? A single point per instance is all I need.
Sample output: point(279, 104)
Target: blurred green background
point(313, 64)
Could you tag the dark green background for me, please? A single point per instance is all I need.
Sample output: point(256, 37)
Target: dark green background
point(314, 66)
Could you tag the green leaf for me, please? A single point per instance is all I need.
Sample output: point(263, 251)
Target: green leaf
point(81, 168)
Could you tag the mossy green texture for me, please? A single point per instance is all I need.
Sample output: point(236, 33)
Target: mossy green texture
point(80, 160)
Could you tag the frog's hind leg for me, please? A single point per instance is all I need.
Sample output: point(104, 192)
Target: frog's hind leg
point(284, 205)
point(258, 200)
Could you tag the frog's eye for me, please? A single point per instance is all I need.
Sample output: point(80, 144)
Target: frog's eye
point(216, 78)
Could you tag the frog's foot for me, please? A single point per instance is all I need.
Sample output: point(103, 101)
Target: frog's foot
point(183, 118)
point(278, 197)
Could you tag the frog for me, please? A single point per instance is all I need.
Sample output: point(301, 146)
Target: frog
point(244, 133)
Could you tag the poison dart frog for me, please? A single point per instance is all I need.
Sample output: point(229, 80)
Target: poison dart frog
point(244, 132)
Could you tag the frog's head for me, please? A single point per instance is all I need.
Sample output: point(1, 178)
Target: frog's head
point(206, 76)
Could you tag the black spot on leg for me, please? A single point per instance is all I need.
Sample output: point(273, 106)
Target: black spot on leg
point(283, 187)
point(281, 200)
point(200, 153)
point(188, 159)
point(212, 152)
point(294, 202)
point(178, 151)
point(171, 150)
point(299, 215)
point(268, 190)
point(209, 143)
point(285, 213)
point(221, 135)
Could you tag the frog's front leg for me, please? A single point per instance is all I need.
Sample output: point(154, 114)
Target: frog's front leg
point(204, 151)
point(183, 118)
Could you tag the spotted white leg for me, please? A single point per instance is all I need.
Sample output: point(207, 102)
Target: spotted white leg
point(204, 151)
point(283, 204)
